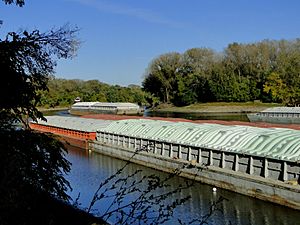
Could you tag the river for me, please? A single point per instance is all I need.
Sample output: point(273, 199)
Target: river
point(200, 116)
point(89, 169)
point(190, 116)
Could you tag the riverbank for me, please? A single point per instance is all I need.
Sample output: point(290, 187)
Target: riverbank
point(42, 109)
point(217, 107)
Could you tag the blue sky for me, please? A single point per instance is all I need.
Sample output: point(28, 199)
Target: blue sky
point(121, 37)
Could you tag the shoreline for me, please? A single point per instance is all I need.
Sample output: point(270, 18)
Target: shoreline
point(216, 107)
point(53, 109)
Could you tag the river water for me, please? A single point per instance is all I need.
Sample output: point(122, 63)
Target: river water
point(89, 169)
point(200, 116)
point(190, 116)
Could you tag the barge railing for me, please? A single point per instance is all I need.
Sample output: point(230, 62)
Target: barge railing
point(274, 169)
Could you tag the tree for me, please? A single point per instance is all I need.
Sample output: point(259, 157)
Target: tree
point(196, 70)
point(277, 88)
point(26, 65)
point(31, 164)
point(17, 2)
point(160, 76)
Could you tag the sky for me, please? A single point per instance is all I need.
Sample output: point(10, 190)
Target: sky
point(121, 37)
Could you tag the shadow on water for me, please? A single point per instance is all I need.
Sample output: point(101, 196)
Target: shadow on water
point(89, 169)
point(200, 116)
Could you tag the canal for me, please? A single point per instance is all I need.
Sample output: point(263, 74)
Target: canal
point(89, 169)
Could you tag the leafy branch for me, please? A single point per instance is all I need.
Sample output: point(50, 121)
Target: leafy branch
point(152, 198)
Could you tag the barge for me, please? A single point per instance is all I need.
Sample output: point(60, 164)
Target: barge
point(260, 162)
point(281, 115)
point(121, 108)
point(75, 131)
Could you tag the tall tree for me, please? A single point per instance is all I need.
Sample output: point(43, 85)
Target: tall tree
point(197, 66)
point(160, 75)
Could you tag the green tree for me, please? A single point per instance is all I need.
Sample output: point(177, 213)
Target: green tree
point(160, 76)
point(196, 69)
point(185, 90)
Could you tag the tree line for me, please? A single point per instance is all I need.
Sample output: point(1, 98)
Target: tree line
point(268, 71)
point(62, 92)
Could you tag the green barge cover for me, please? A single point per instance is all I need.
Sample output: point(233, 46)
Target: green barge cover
point(277, 143)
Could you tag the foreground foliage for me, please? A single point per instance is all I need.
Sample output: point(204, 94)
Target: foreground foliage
point(32, 165)
point(26, 65)
point(29, 158)
point(137, 198)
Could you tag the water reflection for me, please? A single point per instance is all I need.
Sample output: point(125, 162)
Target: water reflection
point(200, 116)
point(190, 116)
point(89, 169)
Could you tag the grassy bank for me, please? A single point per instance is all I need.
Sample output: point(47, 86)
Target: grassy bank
point(217, 107)
point(59, 108)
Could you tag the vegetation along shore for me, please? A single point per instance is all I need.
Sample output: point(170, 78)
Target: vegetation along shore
point(216, 107)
